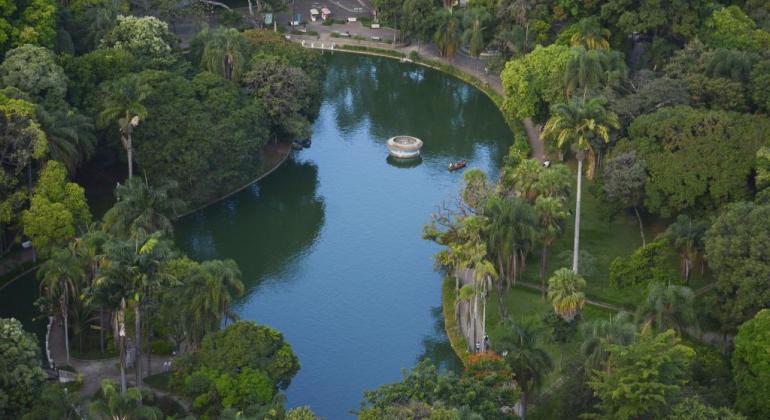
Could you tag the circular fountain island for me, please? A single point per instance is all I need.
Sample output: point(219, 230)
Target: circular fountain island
point(404, 147)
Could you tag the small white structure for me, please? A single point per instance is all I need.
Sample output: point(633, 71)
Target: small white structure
point(314, 14)
point(325, 13)
point(404, 147)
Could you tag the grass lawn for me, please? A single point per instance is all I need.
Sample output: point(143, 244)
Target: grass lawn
point(604, 237)
point(523, 305)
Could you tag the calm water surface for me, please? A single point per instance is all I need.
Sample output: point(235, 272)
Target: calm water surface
point(330, 245)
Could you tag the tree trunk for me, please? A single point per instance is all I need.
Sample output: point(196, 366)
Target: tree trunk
point(101, 330)
point(641, 226)
point(120, 323)
point(523, 406)
point(576, 244)
point(130, 153)
point(484, 319)
point(65, 314)
point(138, 345)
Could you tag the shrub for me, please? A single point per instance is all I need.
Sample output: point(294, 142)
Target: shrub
point(645, 265)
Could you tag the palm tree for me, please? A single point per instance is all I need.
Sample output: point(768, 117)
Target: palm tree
point(70, 136)
point(600, 333)
point(122, 406)
point(590, 34)
point(224, 277)
point(123, 104)
point(529, 362)
point(669, 306)
point(575, 124)
point(60, 276)
point(142, 209)
point(552, 212)
point(590, 68)
point(686, 235)
point(225, 53)
point(473, 36)
point(447, 36)
point(512, 231)
point(88, 248)
point(564, 292)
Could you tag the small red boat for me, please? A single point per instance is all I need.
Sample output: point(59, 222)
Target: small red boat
point(457, 165)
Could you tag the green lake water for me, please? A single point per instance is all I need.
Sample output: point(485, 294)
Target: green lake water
point(330, 244)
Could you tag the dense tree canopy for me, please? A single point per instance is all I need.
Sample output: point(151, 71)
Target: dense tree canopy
point(22, 377)
point(27, 22)
point(737, 250)
point(751, 364)
point(696, 159)
point(33, 70)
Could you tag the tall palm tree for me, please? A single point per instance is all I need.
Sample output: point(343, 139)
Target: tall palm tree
point(528, 361)
point(669, 306)
point(590, 34)
point(552, 213)
point(686, 235)
point(600, 333)
point(564, 293)
point(123, 104)
point(70, 135)
point(577, 123)
point(512, 231)
point(225, 53)
point(60, 279)
point(142, 209)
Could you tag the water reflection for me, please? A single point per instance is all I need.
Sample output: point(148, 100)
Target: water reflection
point(403, 163)
point(247, 227)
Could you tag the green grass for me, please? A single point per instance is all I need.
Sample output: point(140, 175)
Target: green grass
point(605, 237)
point(456, 339)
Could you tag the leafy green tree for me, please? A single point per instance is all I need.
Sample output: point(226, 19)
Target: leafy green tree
point(693, 409)
point(729, 27)
point(736, 254)
point(58, 209)
point(123, 104)
point(599, 334)
point(533, 83)
point(22, 377)
point(527, 360)
point(88, 71)
point(174, 141)
point(646, 265)
point(212, 390)
point(56, 401)
point(245, 344)
point(33, 70)
point(669, 307)
point(686, 236)
point(112, 404)
point(301, 413)
point(576, 124)
point(146, 38)
point(565, 293)
point(215, 284)
point(61, 278)
point(284, 92)
point(416, 21)
point(677, 19)
point(142, 209)
point(624, 179)
point(696, 159)
point(751, 365)
point(27, 22)
point(483, 391)
point(760, 84)
point(643, 377)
